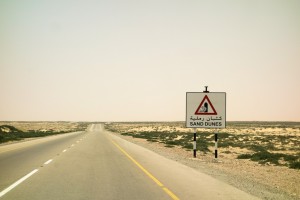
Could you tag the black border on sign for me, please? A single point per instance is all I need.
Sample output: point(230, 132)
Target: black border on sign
point(203, 93)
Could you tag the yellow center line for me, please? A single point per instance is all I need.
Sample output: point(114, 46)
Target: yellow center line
point(171, 194)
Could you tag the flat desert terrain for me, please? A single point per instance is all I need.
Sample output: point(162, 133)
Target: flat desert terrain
point(46, 126)
point(11, 131)
point(262, 158)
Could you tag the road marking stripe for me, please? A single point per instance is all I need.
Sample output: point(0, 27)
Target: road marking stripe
point(17, 183)
point(171, 194)
point(49, 161)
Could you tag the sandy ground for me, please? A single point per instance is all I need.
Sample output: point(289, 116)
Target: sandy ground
point(44, 126)
point(264, 181)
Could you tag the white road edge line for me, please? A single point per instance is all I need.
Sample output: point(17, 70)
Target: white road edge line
point(17, 183)
point(49, 161)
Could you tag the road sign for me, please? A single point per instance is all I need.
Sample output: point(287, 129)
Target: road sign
point(206, 110)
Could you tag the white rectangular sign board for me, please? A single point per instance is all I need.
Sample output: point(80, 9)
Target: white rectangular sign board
point(206, 110)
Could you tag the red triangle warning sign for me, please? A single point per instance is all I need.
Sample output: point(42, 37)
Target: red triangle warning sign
point(206, 107)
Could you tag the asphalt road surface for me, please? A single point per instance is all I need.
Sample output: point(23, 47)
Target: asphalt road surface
point(98, 165)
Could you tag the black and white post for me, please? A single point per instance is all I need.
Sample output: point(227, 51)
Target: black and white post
point(194, 144)
point(216, 145)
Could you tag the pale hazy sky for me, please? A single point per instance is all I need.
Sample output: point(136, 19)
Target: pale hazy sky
point(135, 60)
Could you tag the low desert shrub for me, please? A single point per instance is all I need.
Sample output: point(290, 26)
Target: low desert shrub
point(295, 165)
point(244, 156)
point(264, 157)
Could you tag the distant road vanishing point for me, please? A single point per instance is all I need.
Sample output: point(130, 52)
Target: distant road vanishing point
point(97, 165)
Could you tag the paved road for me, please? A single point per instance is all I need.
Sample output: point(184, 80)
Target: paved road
point(98, 165)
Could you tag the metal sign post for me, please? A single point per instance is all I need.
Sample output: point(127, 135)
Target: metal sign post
point(216, 145)
point(205, 110)
point(195, 140)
